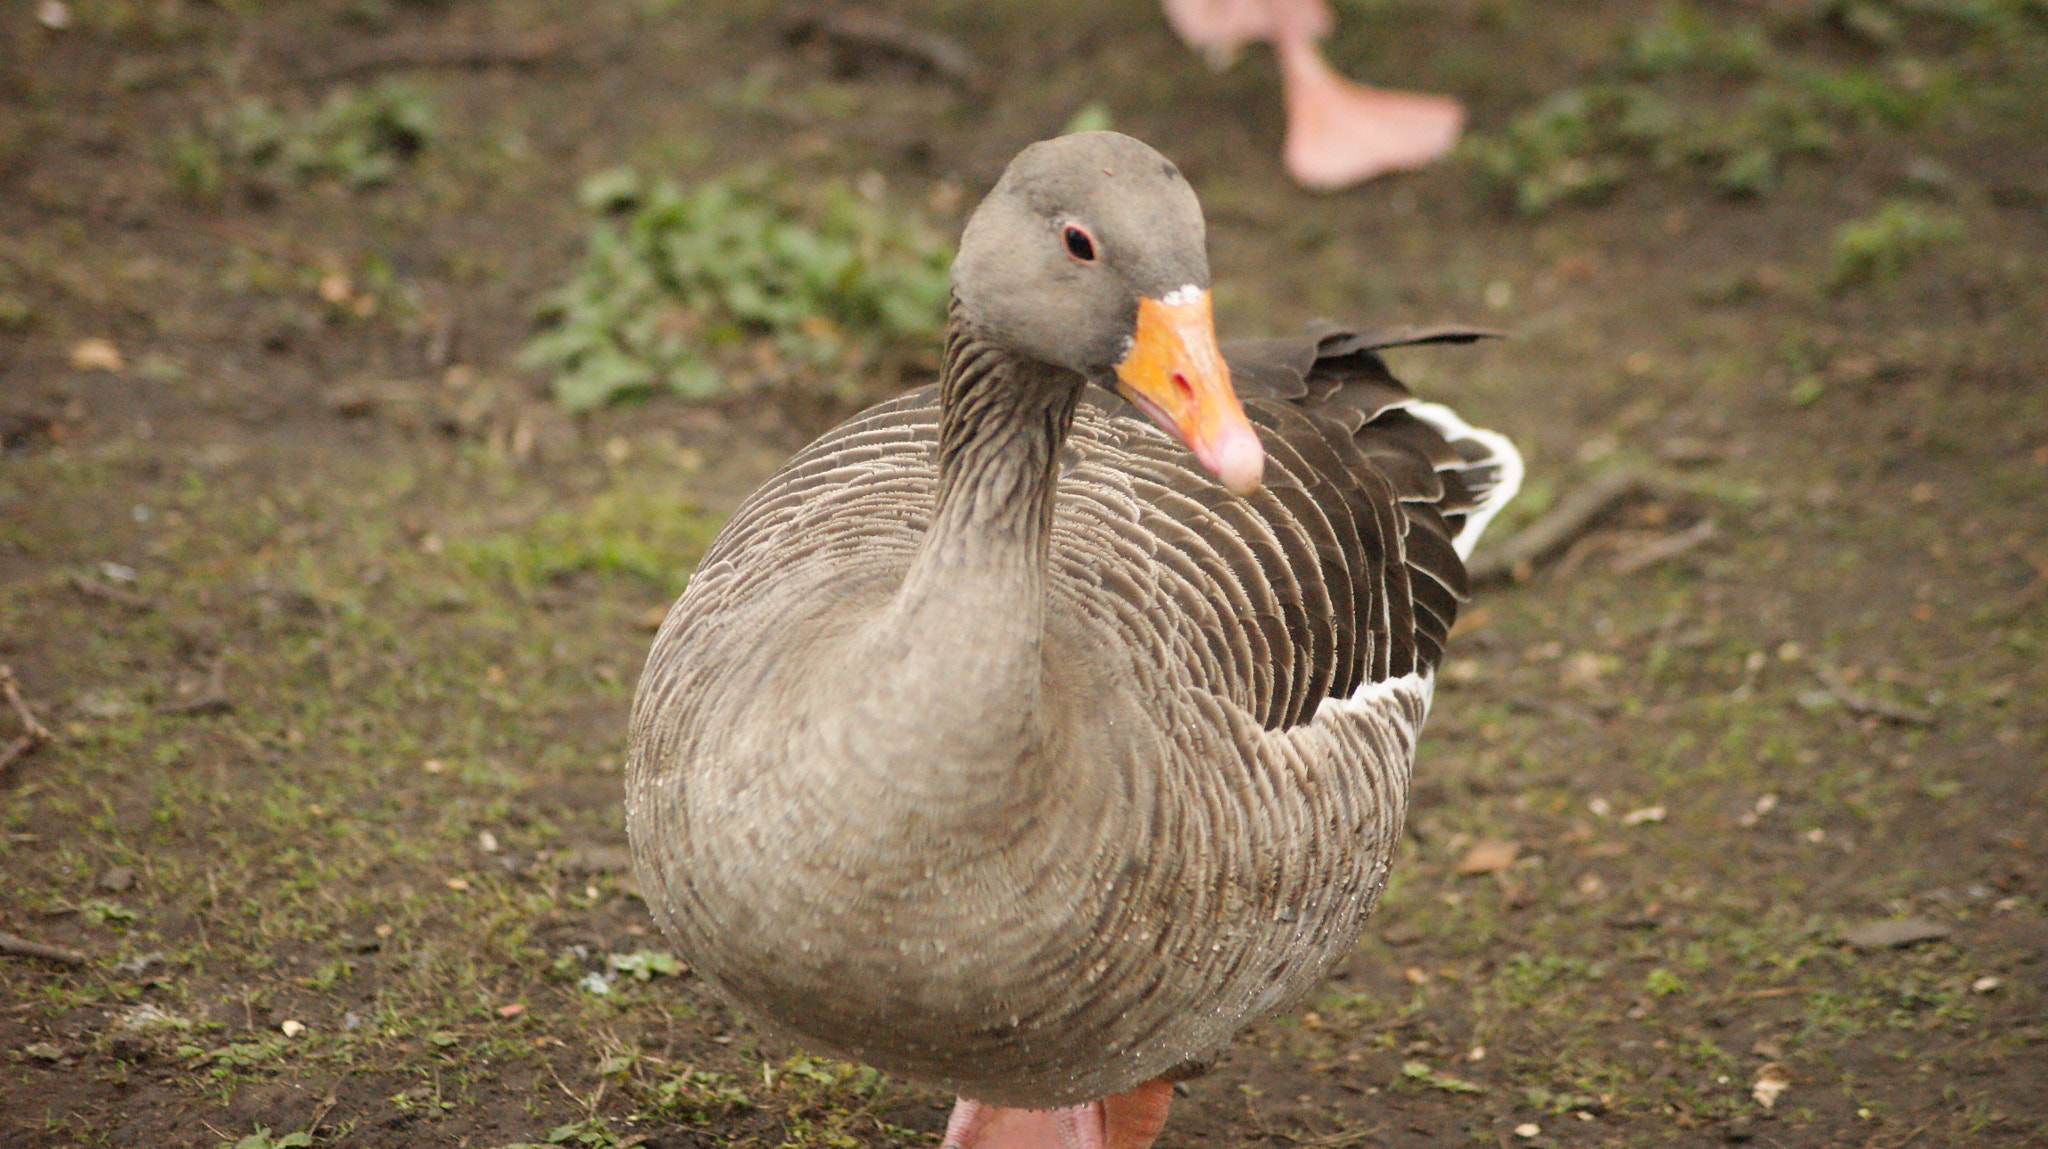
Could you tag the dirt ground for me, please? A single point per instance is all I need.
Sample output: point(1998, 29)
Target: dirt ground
point(1731, 825)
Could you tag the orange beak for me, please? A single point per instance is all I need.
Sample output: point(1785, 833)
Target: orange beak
point(1175, 373)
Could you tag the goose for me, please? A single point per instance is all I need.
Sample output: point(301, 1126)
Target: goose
point(1338, 132)
point(1029, 734)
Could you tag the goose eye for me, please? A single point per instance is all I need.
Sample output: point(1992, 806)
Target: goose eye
point(1079, 245)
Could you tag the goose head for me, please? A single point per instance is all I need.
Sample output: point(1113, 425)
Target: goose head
point(1089, 255)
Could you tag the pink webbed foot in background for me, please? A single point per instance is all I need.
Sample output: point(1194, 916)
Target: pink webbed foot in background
point(1338, 132)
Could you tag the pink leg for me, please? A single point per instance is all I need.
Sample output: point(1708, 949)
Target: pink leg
point(1129, 1120)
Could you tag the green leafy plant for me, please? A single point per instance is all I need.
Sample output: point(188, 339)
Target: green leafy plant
point(1422, 1074)
point(644, 965)
point(591, 1134)
point(698, 1094)
point(264, 1139)
point(359, 137)
point(681, 285)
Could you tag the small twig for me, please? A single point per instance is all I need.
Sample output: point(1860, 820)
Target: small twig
point(1341, 1137)
point(16, 749)
point(23, 947)
point(34, 733)
point(935, 52)
point(1856, 703)
point(320, 1114)
point(94, 588)
point(396, 55)
point(1670, 546)
point(2032, 592)
point(1517, 557)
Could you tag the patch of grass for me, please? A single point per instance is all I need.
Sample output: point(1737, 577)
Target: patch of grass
point(1553, 153)
point(1876, 248)
point(642, 532)
point(1526, 979)
point(1581, 143)
point(683, 286)
point(1716, 100)
point(1662, 982)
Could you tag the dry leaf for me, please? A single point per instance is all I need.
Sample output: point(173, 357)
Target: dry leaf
point(97, 355)
point(1489, 857)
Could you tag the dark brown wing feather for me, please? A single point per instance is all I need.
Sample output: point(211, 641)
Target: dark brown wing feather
point(1347, 552)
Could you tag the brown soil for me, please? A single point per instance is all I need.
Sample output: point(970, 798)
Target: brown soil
point(333, 615)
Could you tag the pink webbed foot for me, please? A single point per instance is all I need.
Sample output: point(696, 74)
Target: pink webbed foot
point(1130, 1120)
point(1339, 133)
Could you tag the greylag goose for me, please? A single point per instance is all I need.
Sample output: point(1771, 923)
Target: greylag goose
point(1031, 733)
point(1338, 132)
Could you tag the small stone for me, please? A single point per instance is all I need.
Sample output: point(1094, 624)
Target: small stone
point(292, 1028)
point(1894, 933)
point(1986, 984)
point(1771, 1080)
point(118, 879)
point(44, 1051)
point(1528, 1129)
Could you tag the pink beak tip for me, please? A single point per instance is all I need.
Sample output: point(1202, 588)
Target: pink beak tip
point(1237, 459)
